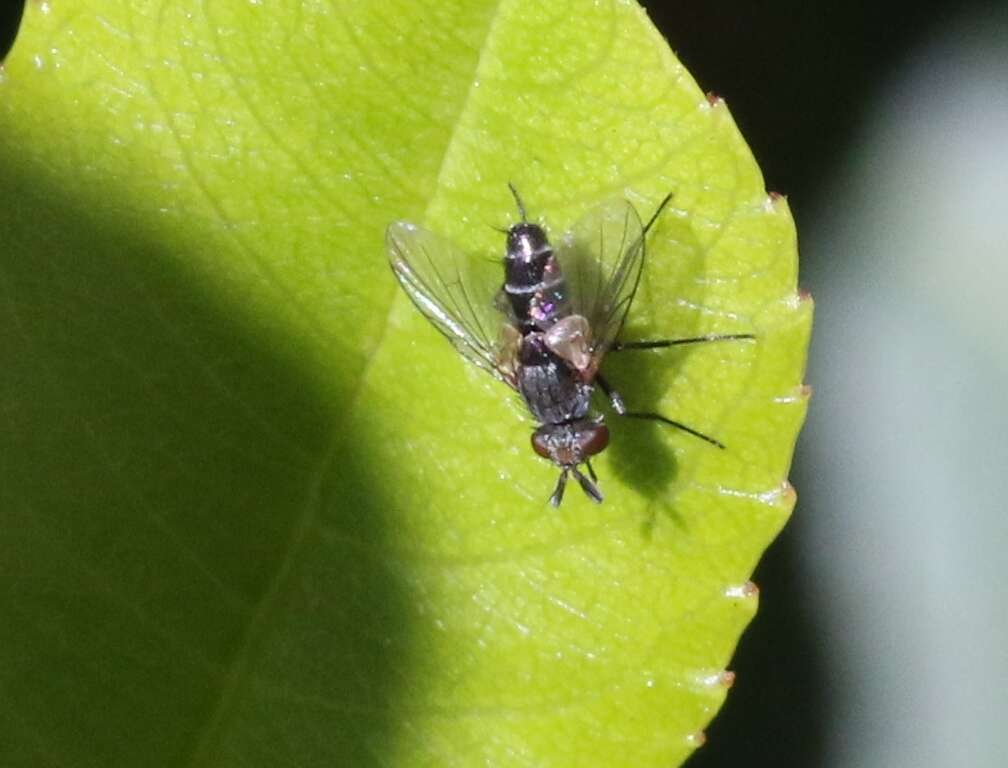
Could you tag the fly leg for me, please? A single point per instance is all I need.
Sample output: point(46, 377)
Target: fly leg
point(615, 399)
point(647, 416)
point(620, 407)
point(663, 343)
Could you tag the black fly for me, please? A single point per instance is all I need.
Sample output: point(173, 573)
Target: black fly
point(546, 329)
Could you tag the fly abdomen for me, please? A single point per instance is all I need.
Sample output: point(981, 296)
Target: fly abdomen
point(551, 389)
point(538, 306)
point(533, 280)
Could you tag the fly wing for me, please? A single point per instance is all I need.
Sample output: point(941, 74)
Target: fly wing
point(455, 292)
point(601, 258)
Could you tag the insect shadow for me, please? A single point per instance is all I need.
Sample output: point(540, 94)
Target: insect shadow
point(641, 453)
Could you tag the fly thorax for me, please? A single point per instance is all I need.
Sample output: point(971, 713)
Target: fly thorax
point(534, 353)
point(551, 388)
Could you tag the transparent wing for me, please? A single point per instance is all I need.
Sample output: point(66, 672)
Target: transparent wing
point(455, 292)
point(601, 257)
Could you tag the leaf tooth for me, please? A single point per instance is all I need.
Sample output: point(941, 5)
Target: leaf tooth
point(782, 495)
point(716, 679)
point(696, 739)
point(799, 394)
point(746, 591)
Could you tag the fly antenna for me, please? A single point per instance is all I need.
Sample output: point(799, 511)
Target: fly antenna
point(558, 492)
point(518, 200)
point(590, 489)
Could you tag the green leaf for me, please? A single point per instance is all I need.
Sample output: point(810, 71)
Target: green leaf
point(255, 510)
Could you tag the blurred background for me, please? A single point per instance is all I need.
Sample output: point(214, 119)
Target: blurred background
point(882, 638)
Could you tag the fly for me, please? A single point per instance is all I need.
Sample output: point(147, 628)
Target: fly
point(545, 329)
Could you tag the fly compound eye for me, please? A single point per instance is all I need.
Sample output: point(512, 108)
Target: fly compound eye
point(593, 439)
point(540, 444)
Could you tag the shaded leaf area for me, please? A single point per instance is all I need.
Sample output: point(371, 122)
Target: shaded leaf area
point(257, 512)
point(154, 509)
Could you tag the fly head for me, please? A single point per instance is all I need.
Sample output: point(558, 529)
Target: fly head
point(567, 446)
